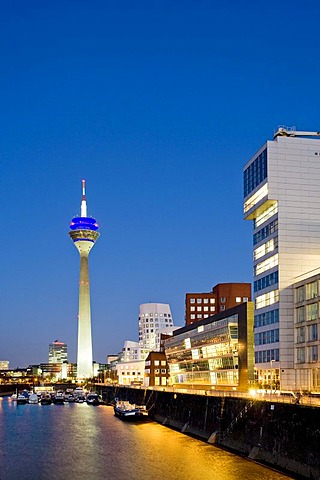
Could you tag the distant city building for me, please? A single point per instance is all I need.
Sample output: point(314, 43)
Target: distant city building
point(215, 352)
point(112, 358)
point(4, 365)
point(153, 318)
point(282, 198)
point(58, 352)
point(84, 235)
point(156, 370)
point(222, 297)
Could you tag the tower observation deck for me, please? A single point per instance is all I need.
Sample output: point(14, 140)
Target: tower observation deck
point(84, 233)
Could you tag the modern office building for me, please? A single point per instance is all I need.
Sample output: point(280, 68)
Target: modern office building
point(282, 197)
point(307, 332)
point(84, 235)
point(58, 352)
point(222, 297)
point(153, 319)
point(215, 352)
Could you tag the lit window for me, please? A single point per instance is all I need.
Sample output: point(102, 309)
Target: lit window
point(206, 300)
point(212, 300)
point(192, 316)
point(192, 309)
point(192, 300)
point(238, 299)
point(199, 309)
point(264, 216)
point(245, 299)
point(156, 362)
point(300, 294)
point(267, 299)
point(206, 309)
point(312, 311)
point(199, 300)
point(311, 290)
point(200, 328)
point(265, 248)
point(256, 197)
point(266, 264)
point(212, 309)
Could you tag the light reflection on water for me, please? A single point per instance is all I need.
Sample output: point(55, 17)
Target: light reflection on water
point(56, 442)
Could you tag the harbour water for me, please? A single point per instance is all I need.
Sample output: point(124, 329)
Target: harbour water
point(77, 441)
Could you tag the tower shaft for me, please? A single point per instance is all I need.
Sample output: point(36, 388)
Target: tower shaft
point(84, 352)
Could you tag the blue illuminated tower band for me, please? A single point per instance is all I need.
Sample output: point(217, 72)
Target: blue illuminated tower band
point(84, 235)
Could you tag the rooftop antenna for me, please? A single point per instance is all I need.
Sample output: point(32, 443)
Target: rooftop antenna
point(83, 202)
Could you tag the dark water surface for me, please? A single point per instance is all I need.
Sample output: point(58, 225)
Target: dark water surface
point(77, 441)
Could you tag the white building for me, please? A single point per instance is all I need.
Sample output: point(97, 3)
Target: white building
point(4, 365)
point(282, 197)
point(154, 318)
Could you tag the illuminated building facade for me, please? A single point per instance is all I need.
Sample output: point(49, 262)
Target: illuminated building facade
point(58, 352)
point(222, 297)
point(84, 235)
point(156, 370)
point(4, 365)
point(307, 332)
point(282, 197)
point(154, 318)
point(216, 352)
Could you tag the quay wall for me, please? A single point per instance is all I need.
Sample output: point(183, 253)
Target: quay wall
point(281, 435)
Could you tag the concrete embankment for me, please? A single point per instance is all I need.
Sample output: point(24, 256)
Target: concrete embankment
point(281, 435)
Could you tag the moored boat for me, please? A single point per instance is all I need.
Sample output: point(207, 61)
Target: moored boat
point(127, 411)
point(46, 399)
point(94, 399)
point(58, 398)
point(21, 399)
point(33, 399)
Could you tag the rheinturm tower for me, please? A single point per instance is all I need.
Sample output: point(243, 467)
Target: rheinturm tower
point(84, 235)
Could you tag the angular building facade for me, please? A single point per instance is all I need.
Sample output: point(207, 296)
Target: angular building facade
point(214, 353)
point(282, 198)
point(58, 352)
point(154, 318)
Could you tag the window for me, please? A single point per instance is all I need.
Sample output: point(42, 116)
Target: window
point(212, 300)
point(192, 309)
point(163, 362)
point(157, 370)
point(192, 300)
point(199, 300)
point(267, 318)
point(301, 338)
point(311, 290)
point(199, 316)
point(223, 299)
point(267, 299)
point(238, 299)
point(264, 216)
point(312, 311)
point(192, 316)
point(156, 362)
point(265, 232)
point(266, 281)
point(255, 173)
point(199, 309)
point(163, 370)
point(266, 265)
point(300, 316)
point(206, 300)
point(212, 309)
point(223, 307)
point(300, 294)
point(300, 355)
point(313, 353)
point(256, 197)
point(206, 309)
point(245, 299)
point(265, 248)
point(312, 332)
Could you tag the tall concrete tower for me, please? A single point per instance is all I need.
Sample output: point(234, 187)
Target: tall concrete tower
point(84, 235)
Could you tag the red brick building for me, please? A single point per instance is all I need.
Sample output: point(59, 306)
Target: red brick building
point(222, 297)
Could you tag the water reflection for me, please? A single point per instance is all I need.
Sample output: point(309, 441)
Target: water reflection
point(83, 442)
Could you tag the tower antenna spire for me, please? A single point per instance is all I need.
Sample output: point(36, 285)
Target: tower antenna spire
point(83, 201)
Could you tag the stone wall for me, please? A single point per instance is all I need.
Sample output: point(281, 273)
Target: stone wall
point(281, 435)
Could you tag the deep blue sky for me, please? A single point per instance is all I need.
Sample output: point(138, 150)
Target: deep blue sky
point(158, 105)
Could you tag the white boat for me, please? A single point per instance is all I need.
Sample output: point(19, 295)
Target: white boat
point(128, 411)
point(33, 399)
